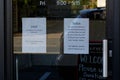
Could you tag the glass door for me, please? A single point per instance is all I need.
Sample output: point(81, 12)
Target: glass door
point(60, 40)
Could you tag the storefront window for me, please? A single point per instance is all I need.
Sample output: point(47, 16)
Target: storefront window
point(58, 39)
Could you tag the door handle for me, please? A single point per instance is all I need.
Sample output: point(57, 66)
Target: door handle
point(105, 58)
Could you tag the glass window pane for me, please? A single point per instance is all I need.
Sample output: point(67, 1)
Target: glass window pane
point(38, 29)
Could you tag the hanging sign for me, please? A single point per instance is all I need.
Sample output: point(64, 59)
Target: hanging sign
point(33, 35)
point(76, 36)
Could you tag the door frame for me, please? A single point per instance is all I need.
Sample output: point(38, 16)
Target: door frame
point(112, 29)
point(2, 40)
point(116, 40)
point(113, 33)
point(8, 41)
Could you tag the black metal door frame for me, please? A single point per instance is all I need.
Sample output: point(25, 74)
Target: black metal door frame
point(8, 41)
point(1, 39)
point(116, 40)
point(113, 33)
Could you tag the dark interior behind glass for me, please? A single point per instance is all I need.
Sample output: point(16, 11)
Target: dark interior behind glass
point(55, 65)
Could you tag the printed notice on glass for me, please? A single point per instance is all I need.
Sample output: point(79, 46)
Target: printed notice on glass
point(33, 35)
point(76, 36)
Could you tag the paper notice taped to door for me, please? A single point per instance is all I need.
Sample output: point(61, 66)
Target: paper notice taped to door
point(33, 35)
point(76, 36)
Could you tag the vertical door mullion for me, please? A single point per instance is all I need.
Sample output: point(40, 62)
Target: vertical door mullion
point(9, 40)
point(116, 41)
point(1, 39)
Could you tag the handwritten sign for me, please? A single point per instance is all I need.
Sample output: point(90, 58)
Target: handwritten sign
point(34, 35)
point(90, 67)
point(76, 36)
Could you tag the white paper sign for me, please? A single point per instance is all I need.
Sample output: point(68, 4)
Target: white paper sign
point(76, 36)
point(101, 3)
point(34, 35)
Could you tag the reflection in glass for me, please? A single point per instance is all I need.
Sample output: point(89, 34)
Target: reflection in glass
point(54, 64)
point(55, 11)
